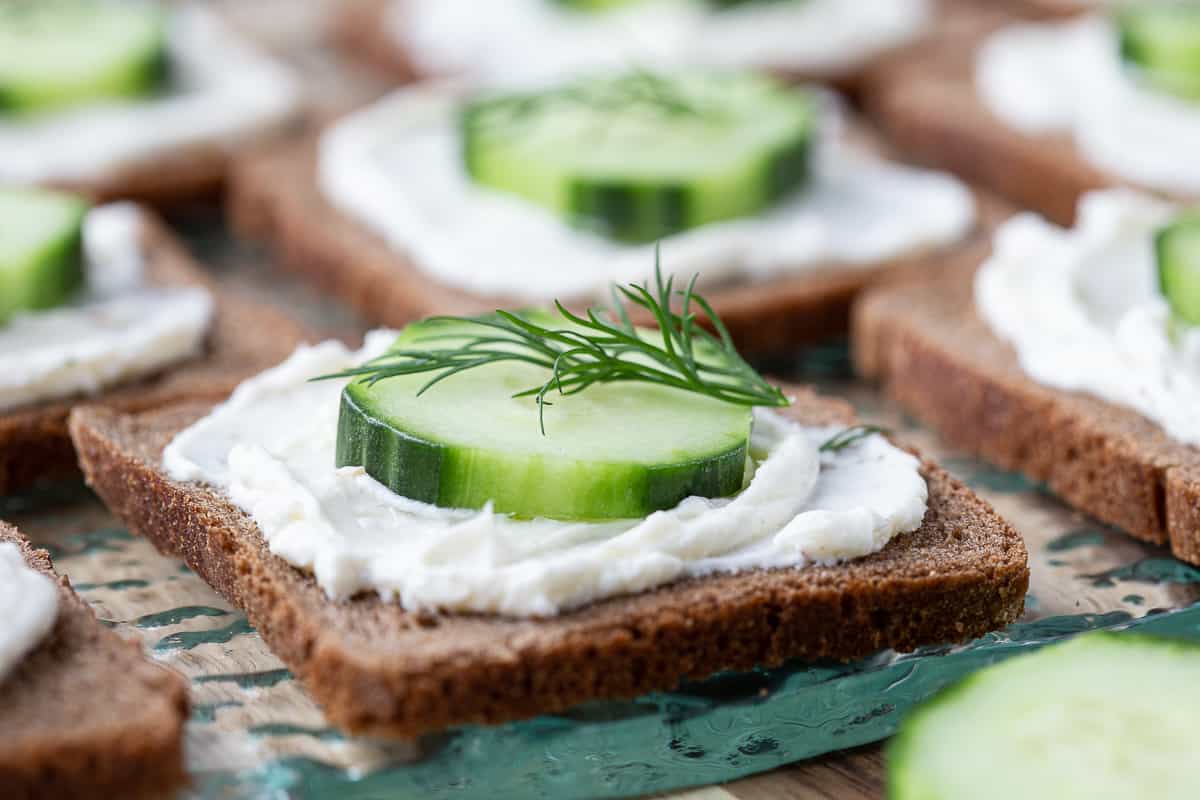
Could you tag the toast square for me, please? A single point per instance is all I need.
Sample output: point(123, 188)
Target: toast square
point(85, 714)
point(381, 671)
point(927, 104)
point(275, 197)
point(245, 339)
point(934, 355)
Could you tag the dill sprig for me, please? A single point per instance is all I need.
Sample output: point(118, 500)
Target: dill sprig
point(601, 346)
point(849, 436)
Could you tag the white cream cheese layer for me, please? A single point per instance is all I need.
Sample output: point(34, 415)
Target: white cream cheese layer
point(222, 91)
point(28, 608)
point(1069, 78)
point(395, 168)
point(521, 41)
point(270, 448)
point(1084, 313)
point(118, 330)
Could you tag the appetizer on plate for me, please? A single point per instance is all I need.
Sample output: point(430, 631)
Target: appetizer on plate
point(482, 519)
point(1106, 715)
point(1071, 355)
point(130, 100)
point(1043, 112)
point(82, 712)
point(434, 201)
point(99, 304)
point(521, 41)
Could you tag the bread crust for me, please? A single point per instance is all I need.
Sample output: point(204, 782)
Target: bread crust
point(380, 671)
point(246, 338)
point(927, 104)
point(927, 345)
point(275, 197)
point(85, 715)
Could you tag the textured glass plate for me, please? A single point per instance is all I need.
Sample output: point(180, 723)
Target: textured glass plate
point(254, 733)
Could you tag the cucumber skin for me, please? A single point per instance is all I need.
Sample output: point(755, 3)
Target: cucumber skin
point(904, 784)
point(637, 212)
point(1136, 50)
point(440, 475)
point(138, 79)
point(59, 277)
point(1187, 310)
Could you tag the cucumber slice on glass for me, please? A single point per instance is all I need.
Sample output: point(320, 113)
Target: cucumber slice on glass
point(1162, 41)
point(642, 156)
point(1104, 716)
point(1177, 247)
point(56, 53)
point(615, 451)
point(41, 249)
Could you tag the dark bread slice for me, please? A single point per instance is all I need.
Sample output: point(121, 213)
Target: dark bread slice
point(925, 342)
point(171, 179)
point(85, 715)
point(378, 670)
point(275, 197)
point(927, 104)
point(246, 338)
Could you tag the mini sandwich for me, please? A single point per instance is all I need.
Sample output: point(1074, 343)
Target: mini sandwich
point(131, 100)
point(436, 200)
point(99, 304)
point(483, 519)
point(1072, 355)
point(1044, 112)
point(82, 712)
point(523, 41)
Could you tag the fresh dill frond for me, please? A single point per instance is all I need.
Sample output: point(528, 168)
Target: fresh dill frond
point(601, 346)
point(849, 436)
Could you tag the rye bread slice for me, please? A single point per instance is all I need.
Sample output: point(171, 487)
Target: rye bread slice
point(924, 340)
point(245, 339)
point(274, 197)
point(927, 104)
point(85, 715)
point(380, 671)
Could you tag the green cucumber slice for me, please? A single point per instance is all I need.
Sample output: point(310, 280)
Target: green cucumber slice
point(1104, 716)
point(41, 249)
point(596, 5)
point(642, 156)
point(1163, 43)
point(56, 53)
point(616, 451)
point(1177, 248)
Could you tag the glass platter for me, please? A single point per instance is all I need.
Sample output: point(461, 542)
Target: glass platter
point(254, 733)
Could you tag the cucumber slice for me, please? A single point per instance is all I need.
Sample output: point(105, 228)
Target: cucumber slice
point(594, 6)
point(616, 451)
point(56, 53)
point(1104, 716)
point(642, 156)
point(1163, 42)
point(41, 249)
point(1177, 247)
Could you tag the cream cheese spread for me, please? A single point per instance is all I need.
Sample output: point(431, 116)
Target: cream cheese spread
point(28, 606)
point(223, 91)
point(1083, 311)
point(271, 446)
point(1069, 78)
point(517, 41)
point(395, 168)
point(119, 329)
